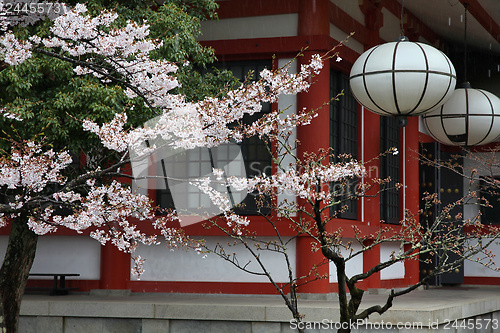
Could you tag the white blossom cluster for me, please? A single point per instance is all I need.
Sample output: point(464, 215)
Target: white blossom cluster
point(221, 201)
point(13, 50)
point(126, 52)
point(10, 115)
point(216, 113)
point(206, 123)
point(123, 54)
point(273, 125)
point(123, 51)
point(113, 212)
point(31, 168)
point(312, 183)
point(112, 134)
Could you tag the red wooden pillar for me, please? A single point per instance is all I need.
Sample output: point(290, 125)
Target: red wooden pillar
point(306, 260)
point(371, 208)
point(411, 194)
point(370, 259)
point(374, 19)
point(313, 17)
point(313, 20)
point(115, 268)
point(371, 144)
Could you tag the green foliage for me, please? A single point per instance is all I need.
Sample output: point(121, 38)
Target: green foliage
point(52, 100)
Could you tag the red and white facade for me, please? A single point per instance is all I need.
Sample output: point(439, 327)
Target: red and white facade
point(257, 30)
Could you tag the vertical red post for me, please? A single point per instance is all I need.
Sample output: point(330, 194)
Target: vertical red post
point(313, 17)
point(372, 204)
point(412, 269)
point(371, 151)
point(412, 187)
point(313, 20)
point(115, 268)
point(370, 259)
point(373, 21)
point(305, 261)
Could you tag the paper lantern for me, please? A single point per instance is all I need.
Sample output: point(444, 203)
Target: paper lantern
point(402, 78)
point(470, 117)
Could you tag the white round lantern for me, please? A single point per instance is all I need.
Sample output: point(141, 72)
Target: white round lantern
point(402, 78)
point(471, 117)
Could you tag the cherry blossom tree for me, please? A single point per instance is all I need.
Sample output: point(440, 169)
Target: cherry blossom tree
point(44, 105)
point(122, 58)
point(44, 190)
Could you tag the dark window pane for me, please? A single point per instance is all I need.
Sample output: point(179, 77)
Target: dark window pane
point(343, 138)
point(490, 215)
point(389, 167)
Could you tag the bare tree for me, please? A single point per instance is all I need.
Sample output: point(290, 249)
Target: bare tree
point(448, 239)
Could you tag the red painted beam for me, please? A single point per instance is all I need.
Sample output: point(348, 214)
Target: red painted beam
point(259, 48)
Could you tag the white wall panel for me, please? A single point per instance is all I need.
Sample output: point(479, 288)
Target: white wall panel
point(472, 268)
point(353, 266)
point(391, 29)
point(471, 209)
point(283, 25)
point(288, 104)
point(179, 265)
point(396, 271)
point(64, 254)
point(351, 43)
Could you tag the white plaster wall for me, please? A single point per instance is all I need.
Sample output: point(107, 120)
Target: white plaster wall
point(353, 266)
point(472, 268)
point(391, 29)
point(396, 271)
point(288, 104)
point(165, 265)
point(351, 43)
point(283, 25)
point(64, 254)
point(353, 10)
point(472, 208)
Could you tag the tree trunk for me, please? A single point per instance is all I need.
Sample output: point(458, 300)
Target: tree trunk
point(14, 273)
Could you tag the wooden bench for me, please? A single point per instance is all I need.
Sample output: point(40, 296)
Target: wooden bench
point(59, 286)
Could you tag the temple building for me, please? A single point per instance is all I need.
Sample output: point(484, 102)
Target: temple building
point(254, 34)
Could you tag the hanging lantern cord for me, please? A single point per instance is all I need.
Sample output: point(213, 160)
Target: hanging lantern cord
point(465, 44)
point(402, 120)
point(402, 15)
